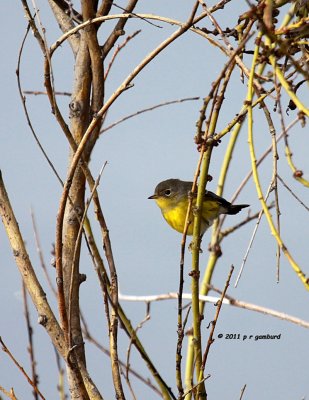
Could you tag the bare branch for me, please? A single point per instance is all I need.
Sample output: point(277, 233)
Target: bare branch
point(10, 394)
point(35, 379)
point(21, 369)
point(214, 322)
point(46, 316)
point(65, 22)
point(118, 30)
point(167, 103)
point(293, 194)
point(227, 300)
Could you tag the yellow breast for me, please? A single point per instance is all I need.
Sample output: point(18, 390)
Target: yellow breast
point(176, 216)
point(175, 213)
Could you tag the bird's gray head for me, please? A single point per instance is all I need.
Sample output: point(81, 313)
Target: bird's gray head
point(171, 189)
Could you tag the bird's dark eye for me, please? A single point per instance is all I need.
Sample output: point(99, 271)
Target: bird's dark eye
point(167, 192)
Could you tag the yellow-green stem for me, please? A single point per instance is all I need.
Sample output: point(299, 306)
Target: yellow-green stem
point(279, 74)
point(204, 288)
point(299, 178)
point(273, 230)
point(227, 158)
point(195, 273)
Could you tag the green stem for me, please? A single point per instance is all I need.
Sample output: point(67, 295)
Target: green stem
point(195, 273)
point(255, 174)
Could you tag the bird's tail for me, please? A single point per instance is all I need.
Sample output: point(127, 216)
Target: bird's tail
point(234, 209)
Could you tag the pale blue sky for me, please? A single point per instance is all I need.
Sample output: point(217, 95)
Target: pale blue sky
point(140, 153)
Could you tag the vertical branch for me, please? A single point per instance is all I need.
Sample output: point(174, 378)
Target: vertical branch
point(78, 155)
point(81, 377)
point(113, 328)
point(195, 273)
point(75, 254)
point(128, 367)
point(274, 180)
point(215, 251)
point(60, 385)
point(256, 178)
point(82, 144)
point(30, 340)
point(224, 75)
point(195, 344)
point(180, 323)
point(181, 280)
point(68, 225)
point(97, 71)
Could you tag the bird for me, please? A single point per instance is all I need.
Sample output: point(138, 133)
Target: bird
point(172, 197)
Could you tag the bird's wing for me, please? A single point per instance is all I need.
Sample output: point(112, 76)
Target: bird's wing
point(210, 196)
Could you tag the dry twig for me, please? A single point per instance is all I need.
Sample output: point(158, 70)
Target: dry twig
point(21, 369)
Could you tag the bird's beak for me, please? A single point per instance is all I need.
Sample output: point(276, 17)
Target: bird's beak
point(153, 197)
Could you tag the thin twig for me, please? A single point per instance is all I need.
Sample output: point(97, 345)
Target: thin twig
point(167, 103)
point(119, 28)
point(301, 275)
point(128, 366)
point(106, 351)
point(233, 228)
point(40, 253)
point(118, 49)
point(242, 392)
point(252, 239)
point(228, 300)
point(274, 185)
point(259, 161)
point(214, 322)
point(39, 92)
point(169, 21)
point(21, 369)
point(60, 385)
point(23, 99)
point(192, 389)
point(292, 193)
point(35, 379)
point(137, 16)
point(10, 394)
